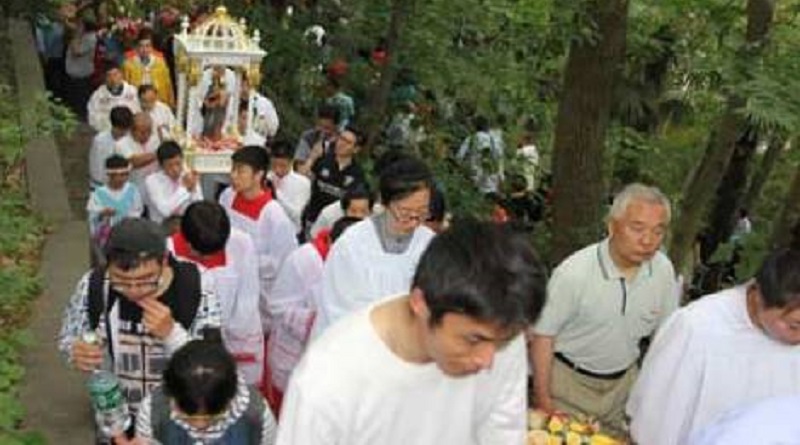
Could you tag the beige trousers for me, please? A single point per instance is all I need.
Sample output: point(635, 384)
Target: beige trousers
point(604, 400)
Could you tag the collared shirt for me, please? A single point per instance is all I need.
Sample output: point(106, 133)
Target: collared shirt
point(597, 316)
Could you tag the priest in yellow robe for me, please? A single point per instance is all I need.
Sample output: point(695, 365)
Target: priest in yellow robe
point(146, 66)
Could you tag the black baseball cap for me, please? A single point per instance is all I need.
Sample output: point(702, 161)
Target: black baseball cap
point(137, 237)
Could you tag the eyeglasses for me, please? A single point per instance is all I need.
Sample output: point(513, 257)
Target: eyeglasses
point(404, 214)
point(142, 286)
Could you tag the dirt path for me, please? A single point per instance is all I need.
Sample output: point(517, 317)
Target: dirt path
point(55, 397)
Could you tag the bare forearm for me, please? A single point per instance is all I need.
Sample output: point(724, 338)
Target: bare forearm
point(542, 362)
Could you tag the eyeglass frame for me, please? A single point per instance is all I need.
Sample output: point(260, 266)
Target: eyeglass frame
point(144, 285)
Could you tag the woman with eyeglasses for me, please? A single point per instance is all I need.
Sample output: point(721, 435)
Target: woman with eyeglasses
point(204, 401)
point(376, 257)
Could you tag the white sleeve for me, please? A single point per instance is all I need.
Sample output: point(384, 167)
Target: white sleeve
point(295, 202)
point(96, 121)
point(305, 420)
point(138, 206)
point(166, 203)
point(288, 288)
point(340, 284)
point(506, 422)
point(669, 382)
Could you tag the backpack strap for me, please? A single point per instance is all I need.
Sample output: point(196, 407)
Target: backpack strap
point(159, 413)
point(184, 306)
point(97, 299)
point(254, 416)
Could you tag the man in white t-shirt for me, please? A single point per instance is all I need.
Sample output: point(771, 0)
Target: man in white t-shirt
point(107, 143)
point(444, 364)
point(140, 148)
point(160, 113)
point(292, 189)
point(171, 189)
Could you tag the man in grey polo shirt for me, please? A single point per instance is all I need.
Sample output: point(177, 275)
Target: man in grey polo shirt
point(602, 301)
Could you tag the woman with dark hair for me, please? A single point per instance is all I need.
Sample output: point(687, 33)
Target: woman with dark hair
point(377, 256)
point(203, 400)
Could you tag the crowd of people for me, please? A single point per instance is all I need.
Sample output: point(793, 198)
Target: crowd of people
point(303, 299)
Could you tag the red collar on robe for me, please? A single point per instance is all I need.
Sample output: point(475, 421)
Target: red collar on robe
point(251, 208)
point(183, 249)
point(322, 242)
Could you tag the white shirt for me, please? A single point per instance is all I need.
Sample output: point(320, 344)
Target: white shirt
point(530, 159)
point(163, 120)
point(293, 192)
point(707, 359)
point(350, 388)
point(236, 285)
point(358, 271)
point(327, 217)
point(103, 146)
point(129, 147)
point(274, 238)
point(167, 197)
point(102, 101)
point(770, 422)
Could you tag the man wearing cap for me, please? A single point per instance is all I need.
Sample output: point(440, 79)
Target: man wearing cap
point(143, 306)
point(601, 302)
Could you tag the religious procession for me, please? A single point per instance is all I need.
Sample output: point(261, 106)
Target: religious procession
point(331, 270)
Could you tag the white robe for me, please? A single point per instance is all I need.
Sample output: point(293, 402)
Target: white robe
point(292, 309)
point(237, 288)
point(706, 359)
point(351, 389)
point(358, 272)
point(103, 146)
point(129, 147)
point(274, 238)
point(102, 101)
point(770, 422)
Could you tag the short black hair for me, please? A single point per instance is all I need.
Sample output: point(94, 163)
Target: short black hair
point(206, 227)
point(778, 279)
point(437, 208)
point(168, 150)
point(116, 161)
point(354, 193)
point(121, 117)
point(486, 271)
point(252, 155)
point(356, 132)
point(135, 241)
point(341, 225)
point(145, 34)
point(328, 112)
point(201, 378)
point(281, 149)
point(402, 178)
point(143, 89)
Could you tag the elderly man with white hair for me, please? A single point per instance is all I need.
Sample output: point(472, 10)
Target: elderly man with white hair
point(602, 301)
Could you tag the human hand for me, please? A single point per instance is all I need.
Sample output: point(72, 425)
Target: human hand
point(317, 151)
point(108, 211)
point(157, 317)
point(87, 356)
point(189, 180)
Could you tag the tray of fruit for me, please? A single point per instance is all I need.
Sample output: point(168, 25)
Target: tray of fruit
point(561, 429)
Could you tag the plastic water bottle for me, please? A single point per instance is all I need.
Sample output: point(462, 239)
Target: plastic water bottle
point(110, 407)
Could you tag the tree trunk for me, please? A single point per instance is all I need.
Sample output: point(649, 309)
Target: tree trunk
point(592, 70)
point(768, 162)
point(784, 230)
point(731, 189)
point(699, 190)
point(375, 116)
